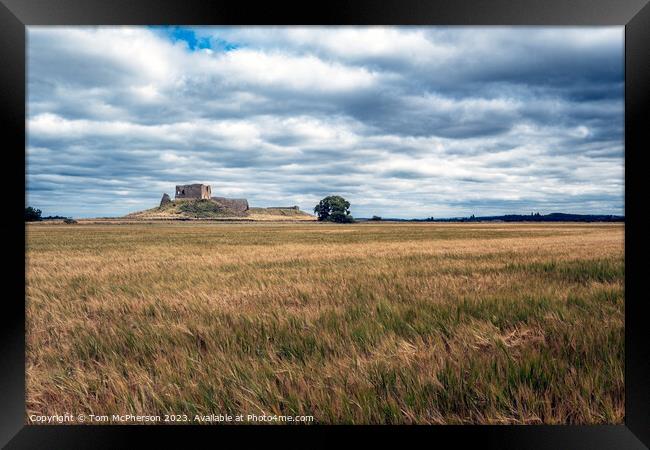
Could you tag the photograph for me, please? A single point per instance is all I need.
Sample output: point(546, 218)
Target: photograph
point(325, 225)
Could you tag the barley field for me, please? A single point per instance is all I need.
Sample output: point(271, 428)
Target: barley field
point(362, 323)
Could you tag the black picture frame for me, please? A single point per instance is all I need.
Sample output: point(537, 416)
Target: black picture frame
point(15, 15)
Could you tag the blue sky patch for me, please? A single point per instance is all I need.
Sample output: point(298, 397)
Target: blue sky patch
point(195, 42)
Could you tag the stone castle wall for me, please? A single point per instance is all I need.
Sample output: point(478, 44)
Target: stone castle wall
point(200, 191)
point(234, 204)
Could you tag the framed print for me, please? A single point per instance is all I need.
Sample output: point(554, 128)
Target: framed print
point(404, 220)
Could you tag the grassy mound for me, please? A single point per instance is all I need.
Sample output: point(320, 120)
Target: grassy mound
point(210, 209)
point(278, 211)
point(204, 209)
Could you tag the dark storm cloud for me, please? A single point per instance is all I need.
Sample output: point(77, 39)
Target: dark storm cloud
point(408, 122)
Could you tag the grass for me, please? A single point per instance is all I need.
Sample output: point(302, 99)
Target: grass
point(366, 323)
point(202, 208)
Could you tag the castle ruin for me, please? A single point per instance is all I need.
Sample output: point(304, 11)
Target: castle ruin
point(234, 204)
point(204, 192)
point(193, 191)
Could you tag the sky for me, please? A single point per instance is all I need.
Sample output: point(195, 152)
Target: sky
point(406, 122)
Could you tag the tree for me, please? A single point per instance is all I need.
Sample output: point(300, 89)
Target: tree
point(334, 209)
point(32, 214)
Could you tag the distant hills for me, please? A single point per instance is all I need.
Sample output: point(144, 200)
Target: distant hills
point(553, 217)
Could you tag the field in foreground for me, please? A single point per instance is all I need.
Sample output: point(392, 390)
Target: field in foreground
point(366, 323)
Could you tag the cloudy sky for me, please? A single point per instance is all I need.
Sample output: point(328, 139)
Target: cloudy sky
point(401, 121)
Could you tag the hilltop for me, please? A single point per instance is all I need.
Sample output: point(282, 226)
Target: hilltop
point(196, 209)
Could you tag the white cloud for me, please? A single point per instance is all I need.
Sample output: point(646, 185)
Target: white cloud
point(402, 121)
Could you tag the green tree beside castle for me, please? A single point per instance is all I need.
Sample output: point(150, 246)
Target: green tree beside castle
point(334, 208)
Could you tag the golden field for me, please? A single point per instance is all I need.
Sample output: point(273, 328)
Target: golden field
point(362, 323)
